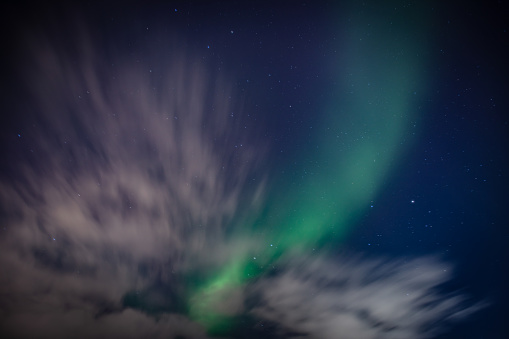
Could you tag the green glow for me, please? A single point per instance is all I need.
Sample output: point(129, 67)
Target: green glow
point(368, 125)
point(202, 304)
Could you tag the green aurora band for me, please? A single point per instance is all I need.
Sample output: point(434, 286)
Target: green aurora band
point(368, 125)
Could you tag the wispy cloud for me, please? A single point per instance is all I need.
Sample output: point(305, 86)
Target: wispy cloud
point(359, 298)
point(134, 172)
point(126, 184)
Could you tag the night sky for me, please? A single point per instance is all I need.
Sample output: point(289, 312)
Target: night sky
point(254, 170)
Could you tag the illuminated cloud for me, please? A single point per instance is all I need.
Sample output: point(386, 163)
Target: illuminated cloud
point(359, 298)
point(132, 214)
point(126, 189)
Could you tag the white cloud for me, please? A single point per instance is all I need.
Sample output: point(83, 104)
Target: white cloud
point(359, 298)
point(127, 187)
point(131, 185)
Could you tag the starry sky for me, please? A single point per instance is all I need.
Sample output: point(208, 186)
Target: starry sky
point(323, 169)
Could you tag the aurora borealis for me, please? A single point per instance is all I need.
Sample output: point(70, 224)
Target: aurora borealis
point(224, 170)
point(367, 127)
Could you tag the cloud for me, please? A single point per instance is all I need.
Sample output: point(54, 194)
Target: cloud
point(132, 172)
point(79, 324)
point(129, 173)
point(350, 298)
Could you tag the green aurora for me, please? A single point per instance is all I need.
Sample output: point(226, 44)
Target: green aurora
point(367, 127)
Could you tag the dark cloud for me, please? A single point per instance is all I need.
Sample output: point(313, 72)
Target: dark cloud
point(79, 324)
